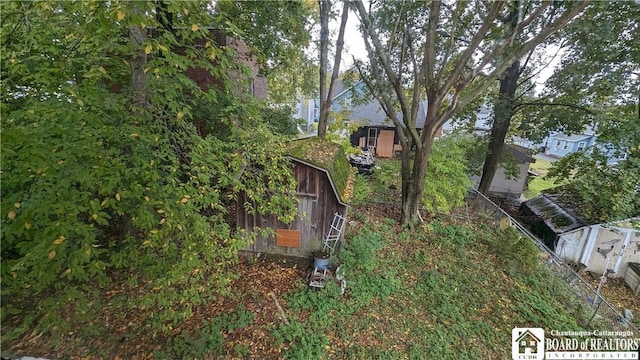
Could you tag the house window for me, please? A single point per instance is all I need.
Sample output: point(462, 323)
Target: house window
point(581, 145)
point(565, 145)
point(372, 137)
point(557, 144)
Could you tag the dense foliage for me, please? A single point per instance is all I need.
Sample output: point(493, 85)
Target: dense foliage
point(446, 56)
point(600, 74)
point(446, 183)
point(106, 172)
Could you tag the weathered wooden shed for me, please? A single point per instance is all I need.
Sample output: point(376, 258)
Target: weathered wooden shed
point(322, 173)
point(548, 217)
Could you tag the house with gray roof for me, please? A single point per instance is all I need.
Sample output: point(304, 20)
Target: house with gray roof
point(376, 131)
point(504, 184)
point(560, 145)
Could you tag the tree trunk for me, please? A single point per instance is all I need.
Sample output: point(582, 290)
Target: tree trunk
point(139, 89)
point(413, 175)
point(326, 95)
point(139, 96)
point(503, 112)
point(325, 6)
point(405, 176)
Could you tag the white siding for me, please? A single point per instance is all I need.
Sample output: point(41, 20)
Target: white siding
point(599, 248)
point(501, 184)
point(571, 245)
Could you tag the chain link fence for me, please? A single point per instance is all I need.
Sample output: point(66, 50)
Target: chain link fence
point(599, 313)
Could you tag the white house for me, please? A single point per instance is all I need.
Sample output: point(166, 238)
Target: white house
point(308, 110)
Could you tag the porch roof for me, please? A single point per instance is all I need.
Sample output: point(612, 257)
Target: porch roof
point(572, 138)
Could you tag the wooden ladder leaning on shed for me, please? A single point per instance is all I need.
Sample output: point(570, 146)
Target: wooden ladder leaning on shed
point(319, 276)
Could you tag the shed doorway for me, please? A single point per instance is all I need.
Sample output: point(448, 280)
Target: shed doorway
point(307, 219)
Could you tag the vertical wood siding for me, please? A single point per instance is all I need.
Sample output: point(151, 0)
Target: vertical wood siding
point(317, 203)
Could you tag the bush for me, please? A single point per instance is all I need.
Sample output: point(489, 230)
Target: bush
point(447, 180)
point(518, 253)
point(360, 253)
point(454, 236)
point(96, 188)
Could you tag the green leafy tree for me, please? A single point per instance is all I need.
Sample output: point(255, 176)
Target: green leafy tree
point(278, 31)
point(106, 176)
point(599, 190)
point(279, 34)
point(450, 54)
point(598, 68)
point(600, 73)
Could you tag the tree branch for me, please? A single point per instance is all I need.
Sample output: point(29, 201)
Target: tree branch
point(535, 103)
point(370, 33)
point(429, 60)
point(522, 49)
point(475, 43)
point(339, 46)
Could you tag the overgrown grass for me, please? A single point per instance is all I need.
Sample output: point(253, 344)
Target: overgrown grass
point(361, 190)
point(386, 180)
point(209, 339)
point(419, 295)
point(411, 294)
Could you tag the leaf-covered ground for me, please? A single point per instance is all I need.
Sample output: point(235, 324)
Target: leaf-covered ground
point(417, 294)
point(420, 295)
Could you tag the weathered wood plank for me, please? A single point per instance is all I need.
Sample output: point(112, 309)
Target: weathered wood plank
point(289, 238)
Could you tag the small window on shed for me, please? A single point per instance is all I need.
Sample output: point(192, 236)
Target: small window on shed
point(565, 145)
point(581, 145)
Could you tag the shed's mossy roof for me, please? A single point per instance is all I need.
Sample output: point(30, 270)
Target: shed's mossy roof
point(555, 214)
point(325, 154)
